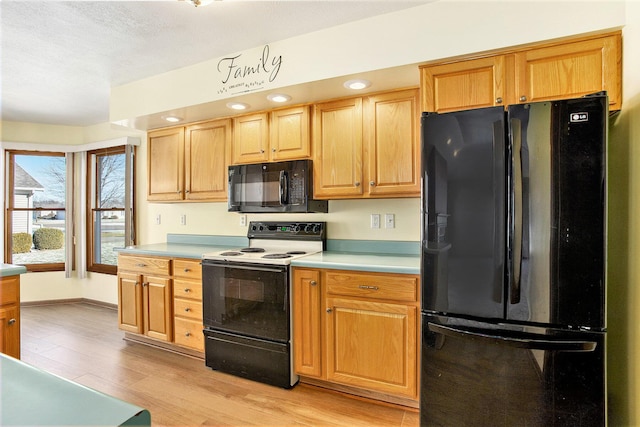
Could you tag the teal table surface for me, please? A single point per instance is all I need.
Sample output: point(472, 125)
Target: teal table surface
point(32, 397)
point(11, 270)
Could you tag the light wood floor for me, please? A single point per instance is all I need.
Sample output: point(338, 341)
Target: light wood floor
point(81, 342)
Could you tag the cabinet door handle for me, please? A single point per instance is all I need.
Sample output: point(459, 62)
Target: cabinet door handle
point(187, 290)
point(188, 334)
point(12, 321)
point(523, 98)
point(313, 283)
point(186, 270)
point(329, 310)
point(357, 183)
point(187, 309)
point(498, 100)
point(372, 183)
point(374, 288)
point(137, 284)
point(145, 283)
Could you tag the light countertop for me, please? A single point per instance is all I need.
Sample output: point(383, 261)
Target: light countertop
point(33, 397)
point(381, 263)
point(11, 270)
point(389, 256)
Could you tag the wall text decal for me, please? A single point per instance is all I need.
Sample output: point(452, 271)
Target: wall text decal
point(238, 76)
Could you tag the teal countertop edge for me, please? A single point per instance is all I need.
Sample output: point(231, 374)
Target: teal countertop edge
point(383, 256)
point(11, 270)
point(31, 396)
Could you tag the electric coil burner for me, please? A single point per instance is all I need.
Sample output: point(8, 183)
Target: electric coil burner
point(246, 301)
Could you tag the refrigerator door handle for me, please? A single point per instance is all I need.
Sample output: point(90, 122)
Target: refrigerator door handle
point(523, 343)
point(515, 265)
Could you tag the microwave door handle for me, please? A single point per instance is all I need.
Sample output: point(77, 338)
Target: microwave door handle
point(284, 188)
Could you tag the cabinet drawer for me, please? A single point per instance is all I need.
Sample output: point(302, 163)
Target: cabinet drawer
point(144, 265)
point(188, 333)
point(189, 289)
point(187, 269)
point(391, 287)
point(187, 308)
point(9, 290)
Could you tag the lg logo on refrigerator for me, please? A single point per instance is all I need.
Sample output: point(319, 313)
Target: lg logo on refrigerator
point(579, 117)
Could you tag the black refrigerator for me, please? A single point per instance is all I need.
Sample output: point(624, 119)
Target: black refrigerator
point(513, 265)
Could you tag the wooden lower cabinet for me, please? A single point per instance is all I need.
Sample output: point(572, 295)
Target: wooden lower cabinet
point(161, 298)
point(187, 304)
point(358, 330)
point(10, 316)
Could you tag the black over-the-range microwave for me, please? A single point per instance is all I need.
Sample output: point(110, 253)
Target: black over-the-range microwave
point(273, 187)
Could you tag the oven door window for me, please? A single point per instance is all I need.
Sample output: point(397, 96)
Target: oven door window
point(247, 300)
point(258, 189)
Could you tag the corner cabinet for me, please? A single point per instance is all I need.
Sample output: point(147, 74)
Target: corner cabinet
point(189, 163)
point(367, 147)
point(10, 315)
point(358, 332)
point(560, 70)
point(277, 135)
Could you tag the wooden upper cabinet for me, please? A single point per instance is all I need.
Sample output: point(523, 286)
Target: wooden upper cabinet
point(290, 134)
point(571, 70)
point(207, 160)
point(269, 137)
point(560, 70)
point(337, 141)
point(391, 135)
point(165, 167)
point(367, 147)
point(474, 83)
point(250, 139)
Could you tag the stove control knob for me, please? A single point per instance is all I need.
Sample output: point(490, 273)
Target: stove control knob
point(296, 228)
point(316, 228)
point(308, 228)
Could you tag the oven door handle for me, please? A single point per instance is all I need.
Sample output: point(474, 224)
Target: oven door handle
point(253, 267)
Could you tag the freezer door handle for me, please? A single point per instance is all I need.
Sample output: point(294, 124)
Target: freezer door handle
point(518, 219)
point(524, 343)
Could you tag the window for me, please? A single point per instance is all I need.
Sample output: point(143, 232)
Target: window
point(36, 214)
point(109, 206)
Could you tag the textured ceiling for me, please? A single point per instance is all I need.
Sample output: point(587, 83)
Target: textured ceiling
point(59, 59)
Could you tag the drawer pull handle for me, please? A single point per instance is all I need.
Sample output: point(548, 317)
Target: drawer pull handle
point(145, 283)
point(187, 290)
point(11, 321)
point(313, 283)
point(188, 334)
point(329, 310)
point(187, 309)
point(375, 288)
point(141, 265)
point(186, 270)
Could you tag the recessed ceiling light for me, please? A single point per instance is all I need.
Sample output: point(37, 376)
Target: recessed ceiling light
point(172, 119)
point(357, 84)
point(278, 97)
point(238, 105)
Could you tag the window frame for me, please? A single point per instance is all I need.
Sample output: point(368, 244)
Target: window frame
point(92, 157)
point(10, 209)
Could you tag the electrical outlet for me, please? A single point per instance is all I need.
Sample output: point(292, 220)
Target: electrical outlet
point(183, 219)
point(389, 221)
point(243, 220)
point(375, 220)
point(158, 219)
